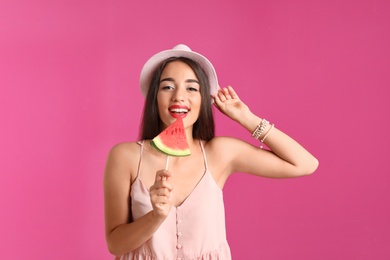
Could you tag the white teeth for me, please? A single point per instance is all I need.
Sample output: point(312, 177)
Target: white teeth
point(179, 110)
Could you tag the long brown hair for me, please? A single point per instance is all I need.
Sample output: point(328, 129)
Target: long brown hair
point(151, 124)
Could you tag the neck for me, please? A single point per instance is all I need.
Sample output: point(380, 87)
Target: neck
point(191, 141)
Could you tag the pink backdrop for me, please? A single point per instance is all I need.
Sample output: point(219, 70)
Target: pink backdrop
point(69, 91)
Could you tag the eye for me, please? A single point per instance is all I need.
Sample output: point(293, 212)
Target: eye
point(166, 87)
point(192, 89)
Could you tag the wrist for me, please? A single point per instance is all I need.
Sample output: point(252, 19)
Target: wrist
point(249, 121)
point(262, 130)
point(157, 217)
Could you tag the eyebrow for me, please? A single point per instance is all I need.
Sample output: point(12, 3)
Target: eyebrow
point(187, 80)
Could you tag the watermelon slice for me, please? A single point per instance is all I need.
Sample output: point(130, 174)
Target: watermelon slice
point(172, 140)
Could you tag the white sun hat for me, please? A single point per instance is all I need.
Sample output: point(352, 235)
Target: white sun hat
point(180, 50)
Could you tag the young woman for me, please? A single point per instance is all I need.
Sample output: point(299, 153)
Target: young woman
point(152, 213)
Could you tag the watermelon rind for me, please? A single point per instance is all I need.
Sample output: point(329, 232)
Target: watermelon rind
point(172, 141)
point(158, 144)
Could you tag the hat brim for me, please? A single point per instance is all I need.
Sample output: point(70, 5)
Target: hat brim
point(155, 61)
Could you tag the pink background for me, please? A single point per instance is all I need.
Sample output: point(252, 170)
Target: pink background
point(318, 69)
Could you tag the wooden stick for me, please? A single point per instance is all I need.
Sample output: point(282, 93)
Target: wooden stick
point(167, 163)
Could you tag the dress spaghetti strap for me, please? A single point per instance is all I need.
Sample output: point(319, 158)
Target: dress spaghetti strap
point(141, 143)
point(204, 155)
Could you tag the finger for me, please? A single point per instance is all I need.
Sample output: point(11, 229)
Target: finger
point(161, 192)
point(226, 93)
point(215, 96)
point(160, 203)
point(166, 185)
point(217, 100)
point(162, 175)
point(233, 93)
point(160, 197)
point(161, 185)
point(221, 96)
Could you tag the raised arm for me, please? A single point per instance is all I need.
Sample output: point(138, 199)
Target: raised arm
point(122, 234)
point(287, 157)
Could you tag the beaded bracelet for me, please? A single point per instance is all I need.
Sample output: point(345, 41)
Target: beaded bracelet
point(260, 129)
point(265, 136)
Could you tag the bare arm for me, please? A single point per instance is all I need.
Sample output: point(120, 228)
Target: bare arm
point(123, 236)
point(287, 157)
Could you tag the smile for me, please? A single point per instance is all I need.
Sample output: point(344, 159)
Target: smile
point(178, 111)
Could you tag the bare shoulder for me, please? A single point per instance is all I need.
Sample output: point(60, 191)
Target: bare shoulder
point(124, 149)
point(123, 159)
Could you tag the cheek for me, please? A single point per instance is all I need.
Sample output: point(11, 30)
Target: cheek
point(199, 103)
point(196, 109)
point(159, 107)
point(160, 100)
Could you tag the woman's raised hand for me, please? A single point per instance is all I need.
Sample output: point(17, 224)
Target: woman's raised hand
point(161, 194)
point(228, 102)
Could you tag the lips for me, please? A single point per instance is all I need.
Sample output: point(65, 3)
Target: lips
point(178, 111)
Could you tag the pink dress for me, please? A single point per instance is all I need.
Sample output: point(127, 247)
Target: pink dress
point(195, 230)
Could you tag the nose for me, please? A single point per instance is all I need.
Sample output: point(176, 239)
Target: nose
point(178, 95)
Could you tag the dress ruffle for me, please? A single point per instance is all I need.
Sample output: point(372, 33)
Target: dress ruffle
point(222, 254)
